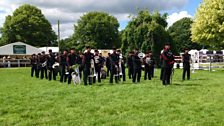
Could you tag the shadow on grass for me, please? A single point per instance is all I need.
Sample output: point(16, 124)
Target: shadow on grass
point(175, 84)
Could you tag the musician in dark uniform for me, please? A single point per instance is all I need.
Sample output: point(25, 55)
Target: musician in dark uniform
point(114, 59)
point(79, 61)
point(71, 60)
point(33, 61)
point(50, 62)
point(186, 57)
point(137, 66)
point(43, 64)
point(98, 64)
point(39, 65)
point(167, 58)
point(152, 63)
point(88, 57)
point(122, 61)
point(108, 64)
point(130, 65)
point(148, 62)
point(63, 65)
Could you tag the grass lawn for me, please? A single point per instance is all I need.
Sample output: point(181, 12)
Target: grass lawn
point(30, 101)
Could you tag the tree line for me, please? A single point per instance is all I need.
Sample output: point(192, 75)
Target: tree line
point(146, 31)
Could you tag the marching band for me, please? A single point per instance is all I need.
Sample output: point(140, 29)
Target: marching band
point(70, 66)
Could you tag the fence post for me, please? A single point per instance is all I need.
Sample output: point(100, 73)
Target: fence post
point(18, 63)
point(210, 63)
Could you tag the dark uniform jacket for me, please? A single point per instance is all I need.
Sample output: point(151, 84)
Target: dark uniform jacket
point(137, 64)
point(114, 59)
point(50, 60)
point(63, 60)
point(33, 60)
point(88, 56)
point(186, 60)
point(167, 59)
point(72, 59)
point(99, 60)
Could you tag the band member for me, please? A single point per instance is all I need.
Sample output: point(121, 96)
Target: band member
point(186, 57)
point(137, 66)
point(81, 66)
point(122, 61)
point(108, 64)
point(98, 64)
point(130, 65)
point(33, 60)
point(63, 65)
point(114, 59)
point(88, 72)
point(71, 60)
point(56, 65)
point(43, 64)
point(153, 64)
point(167, 64)
point(39, 65)
point(50, 62)
point(148, 66)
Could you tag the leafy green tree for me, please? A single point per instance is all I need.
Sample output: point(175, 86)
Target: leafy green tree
point(147, 32)
point(28, 24)
point(208, 26)
point(98, 30)
point(180, 32)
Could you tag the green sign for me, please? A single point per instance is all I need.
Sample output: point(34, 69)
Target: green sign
point(19, 49)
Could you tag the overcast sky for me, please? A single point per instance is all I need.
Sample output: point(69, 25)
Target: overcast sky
point(69, 11)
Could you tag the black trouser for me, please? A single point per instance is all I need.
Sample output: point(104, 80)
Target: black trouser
point(63, 76)
point(43, 72)
point(166, 75)
point(161, 73)
point(88, 76)
point(98, 71)
point(108, 71)
point(114, 74)
point(123, 73)
point(136, 74)
point(186, 70)
point(70, 75)
point(51, 73)
point(80, 72)
point(34, 70)
point(152, 71)
point(130, 72)
point(38, 71)
point(148, 73)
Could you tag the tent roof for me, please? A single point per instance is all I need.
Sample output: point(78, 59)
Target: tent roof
point(8, 49)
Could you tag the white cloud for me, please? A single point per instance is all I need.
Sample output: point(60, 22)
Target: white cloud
point(177, 16)
point(69, 11)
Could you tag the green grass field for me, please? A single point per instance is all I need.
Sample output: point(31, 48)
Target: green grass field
point(30, 101)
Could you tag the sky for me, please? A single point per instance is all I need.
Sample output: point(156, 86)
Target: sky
point(69, 11)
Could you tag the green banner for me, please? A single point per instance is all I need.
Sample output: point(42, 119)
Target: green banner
point(19, 49)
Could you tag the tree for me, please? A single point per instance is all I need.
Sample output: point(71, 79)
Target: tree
point(180, 32)
point(28, 24)
point(68, 43)
point(208, 26)
point(98, 30)
point(147, 32)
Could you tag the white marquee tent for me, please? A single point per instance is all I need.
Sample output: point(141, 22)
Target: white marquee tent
point(18, 48)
